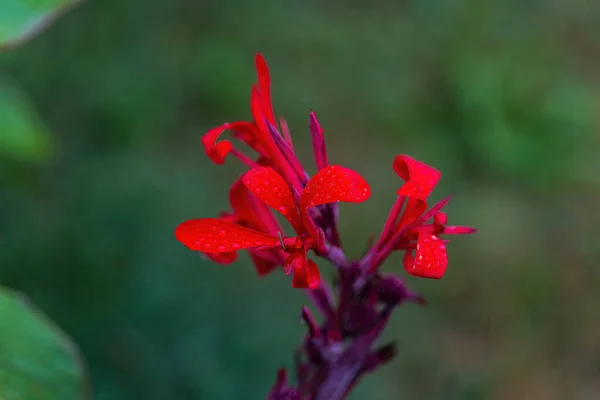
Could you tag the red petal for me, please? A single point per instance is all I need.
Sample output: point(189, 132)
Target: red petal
point(264, 87)
point(440, 219)
point(305, 272)
point(250, 211)
point(256, 108)
point(459, 230)
point(266, 184)
point(212, 235)
point(410, 189)
point(223, 258)
point(435, 209)
point(333, 184)
point(294, 264)
point(418, 172)
point(431, 258)
point(216, 151)
point(414, 208)
point(313, 276)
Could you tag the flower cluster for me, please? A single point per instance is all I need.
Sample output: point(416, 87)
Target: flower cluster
point(337, 352)
point(276, 180)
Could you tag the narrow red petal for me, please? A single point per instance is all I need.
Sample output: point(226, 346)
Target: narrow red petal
point(435, 209)
point(418, 172)
point(264, 87)
point(285, 130)
point(459, 230)
point(333, 184)
point(213, 235)
point(257, 110)
point(414, 208)
point(431, 258)
point(318, 140)
point(266, 184)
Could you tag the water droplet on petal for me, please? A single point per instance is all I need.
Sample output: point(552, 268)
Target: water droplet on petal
point(236, 245)
point(222, 233)
point(222, 248)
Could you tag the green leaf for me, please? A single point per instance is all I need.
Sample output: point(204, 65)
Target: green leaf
point(23, 136)
point(37, 360)
point(20, 20)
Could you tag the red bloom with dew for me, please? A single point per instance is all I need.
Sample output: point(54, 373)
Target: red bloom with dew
point(276, 181)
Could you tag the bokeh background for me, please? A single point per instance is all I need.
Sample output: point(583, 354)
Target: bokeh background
point(502, 97)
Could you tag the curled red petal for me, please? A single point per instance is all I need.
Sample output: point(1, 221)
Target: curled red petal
point(266, 184)
point(431, 258)
point(213, 235)
point(216, 151)
point(264, 87)
point(333, 184)
point(418, 172)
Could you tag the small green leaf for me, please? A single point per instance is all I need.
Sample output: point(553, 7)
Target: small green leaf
point(37, 360)
point(20, 20)
point(23, 136)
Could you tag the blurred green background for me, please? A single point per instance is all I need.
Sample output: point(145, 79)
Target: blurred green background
point(501, 96)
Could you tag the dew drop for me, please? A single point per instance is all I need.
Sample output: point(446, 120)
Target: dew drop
point(236, 245)
point(207, 245)
point(258, 243)
point(222, 232)
point(222, 248)
point(282, 209)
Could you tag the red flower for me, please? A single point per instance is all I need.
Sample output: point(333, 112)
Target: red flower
point(221, 236)
point(410, 232)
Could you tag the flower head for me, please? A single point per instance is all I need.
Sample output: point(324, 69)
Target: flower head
point(247, 231)
point(277, 181)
